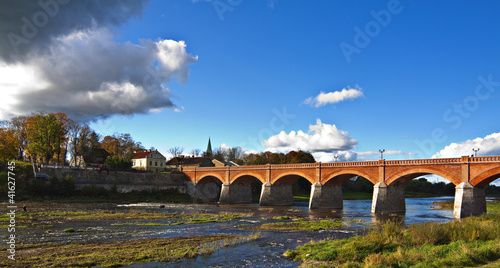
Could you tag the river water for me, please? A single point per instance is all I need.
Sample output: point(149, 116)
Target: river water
point(267, 251)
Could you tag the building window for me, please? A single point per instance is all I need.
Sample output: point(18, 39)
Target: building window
point(156, 164)
point(150, 163)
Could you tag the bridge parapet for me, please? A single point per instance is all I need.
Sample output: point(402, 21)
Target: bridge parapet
point(351, 164)
point(422, 161)
point(485, 159)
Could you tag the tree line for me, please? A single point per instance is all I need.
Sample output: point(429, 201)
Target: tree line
point(55, 138)
point(237, 155)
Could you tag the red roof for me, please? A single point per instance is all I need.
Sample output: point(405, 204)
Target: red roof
point(143, 154)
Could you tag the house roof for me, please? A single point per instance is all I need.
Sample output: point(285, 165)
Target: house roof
point(187, 160)
point(144, 154)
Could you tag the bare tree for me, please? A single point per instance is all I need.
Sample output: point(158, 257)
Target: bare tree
point(195, 152)
point(175, 151)
point(233, 153)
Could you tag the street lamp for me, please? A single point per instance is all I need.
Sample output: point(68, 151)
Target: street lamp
point(336, 157)
point(475, 151)
point(381, 153)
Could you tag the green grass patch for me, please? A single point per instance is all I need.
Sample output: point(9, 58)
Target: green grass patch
point(113, 254)
point(300, 198)
point(281, 218)
point(192, 219)
point(468, 242)
point(356, 195)
point(296, 226)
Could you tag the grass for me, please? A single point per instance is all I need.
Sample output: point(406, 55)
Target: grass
point(193, 219)
point(113, 254)
point(469, 242)
point(301, 225)
point(110, 215)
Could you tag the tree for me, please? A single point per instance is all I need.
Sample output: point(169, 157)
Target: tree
point(233, 153)
point(63, 148)
point(118, 162)
point(175, 151)
point(45, 134)
point(195, 152)
point(8, 144)
point(19, 124)
point(81, 141)
point(121, 145)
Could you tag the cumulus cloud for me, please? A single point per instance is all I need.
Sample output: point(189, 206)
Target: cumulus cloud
point(32, 25)
point(334, 97)
point(83, 72)
point(342, 156)
point(323, 141)
point(489, 145)
point(320, 137)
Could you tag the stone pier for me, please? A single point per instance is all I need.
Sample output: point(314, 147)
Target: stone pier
point(276, 195)
point(207, 192)
point(388, 199)
point(326, 196)
point(235, 194)
point(469, 201)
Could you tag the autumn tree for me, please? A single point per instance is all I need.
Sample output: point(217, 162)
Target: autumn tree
point(45, 134)
point(19, 125)
point(8, 144)
point(121, 145)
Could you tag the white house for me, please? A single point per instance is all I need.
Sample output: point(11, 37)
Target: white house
point(149, 160)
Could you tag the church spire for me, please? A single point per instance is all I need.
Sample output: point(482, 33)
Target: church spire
point(209, 148)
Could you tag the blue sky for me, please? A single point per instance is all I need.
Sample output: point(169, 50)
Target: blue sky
point(419, 79)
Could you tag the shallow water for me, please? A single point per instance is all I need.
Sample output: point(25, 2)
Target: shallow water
point(267, 251)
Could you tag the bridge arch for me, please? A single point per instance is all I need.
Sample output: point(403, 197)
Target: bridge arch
point(209, 178)
point(339, 177)
point(292, 175)
point(406, 175)
point(246, 178)
point(485, 178)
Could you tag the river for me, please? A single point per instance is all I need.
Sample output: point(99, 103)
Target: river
point(267, 251)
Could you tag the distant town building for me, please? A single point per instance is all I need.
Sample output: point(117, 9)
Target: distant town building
point(189, 162)
point(149, 160)
point(218, 163)
point(94, 157)
point(208, 153)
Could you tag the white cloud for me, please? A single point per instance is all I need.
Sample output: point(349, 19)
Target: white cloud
point(75, 65)
point(329, 157)
point(88, 75)
point(320, 138)
point(489, 145)
point(334, 97)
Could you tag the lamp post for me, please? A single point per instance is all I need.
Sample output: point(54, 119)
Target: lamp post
point(475, 151)
point(336, 157)
point(381, 153)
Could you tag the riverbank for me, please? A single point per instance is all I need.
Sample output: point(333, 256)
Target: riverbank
point(469, 242)
point(113, 254)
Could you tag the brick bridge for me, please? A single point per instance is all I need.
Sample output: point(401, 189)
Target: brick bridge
point(231, 185)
